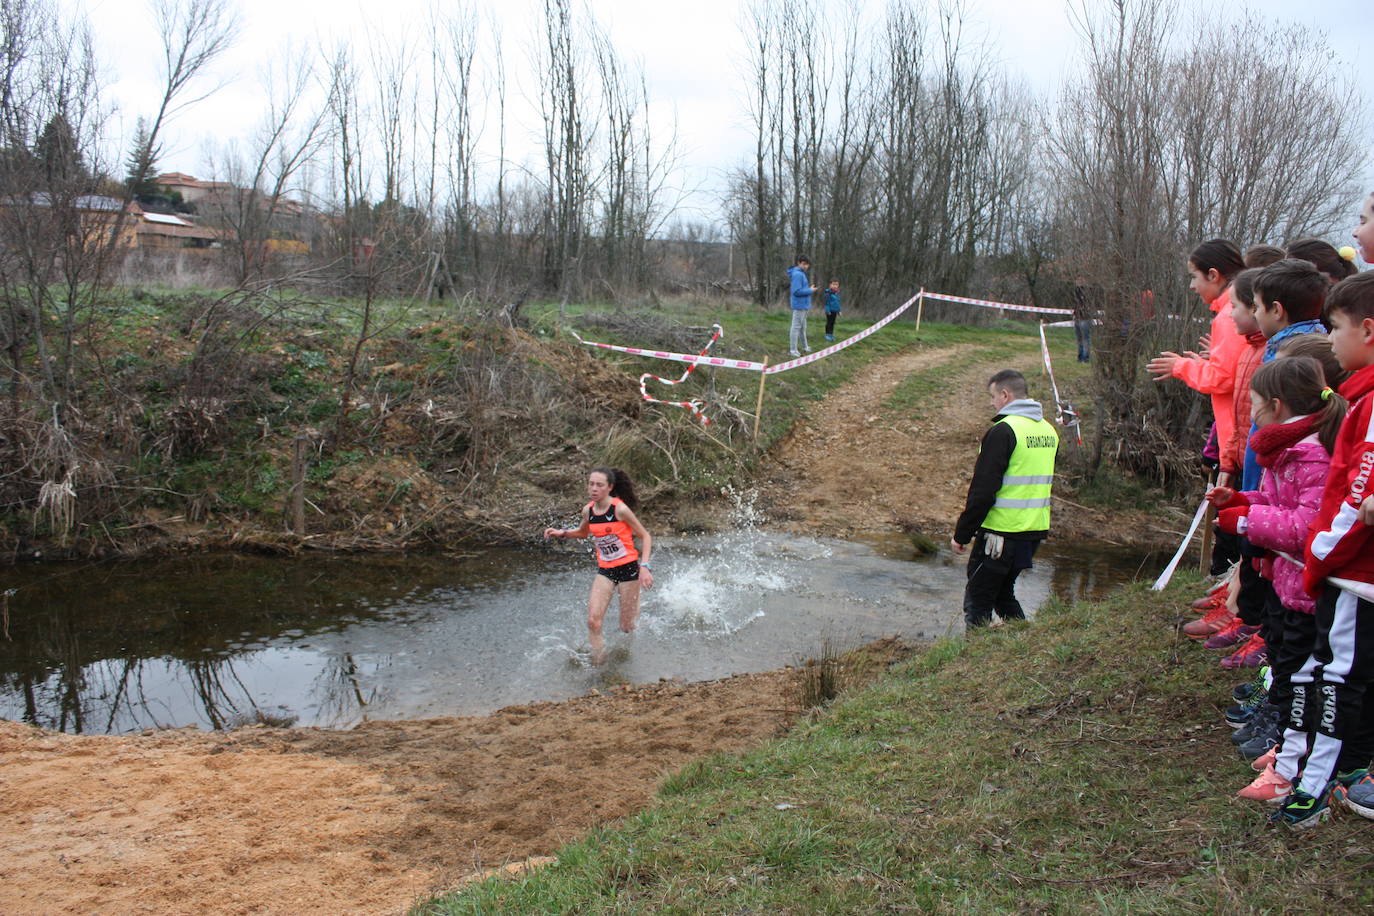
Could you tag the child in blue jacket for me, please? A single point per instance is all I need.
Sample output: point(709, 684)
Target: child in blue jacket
point(832, 308)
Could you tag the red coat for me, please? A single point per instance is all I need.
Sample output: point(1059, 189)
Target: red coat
point(1340, 545)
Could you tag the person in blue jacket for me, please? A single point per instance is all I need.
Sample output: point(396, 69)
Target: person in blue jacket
point(801, 304)
point(832, 308)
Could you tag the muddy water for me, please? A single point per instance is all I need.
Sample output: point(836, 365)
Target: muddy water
point(218, 641)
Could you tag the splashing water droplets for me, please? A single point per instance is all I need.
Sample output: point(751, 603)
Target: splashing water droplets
point(716, 583)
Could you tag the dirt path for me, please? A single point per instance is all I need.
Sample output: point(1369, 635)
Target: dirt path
point(851, 467)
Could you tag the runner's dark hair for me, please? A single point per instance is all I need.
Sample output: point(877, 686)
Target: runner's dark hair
point(622, 487)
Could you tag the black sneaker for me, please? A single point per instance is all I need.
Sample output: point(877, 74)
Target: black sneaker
point(1301, 810)
point(1242, 712)
point(1257, 746)
point(1266, 717)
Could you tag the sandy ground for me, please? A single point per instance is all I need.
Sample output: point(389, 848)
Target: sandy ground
point(370, 820)
point(362, 821)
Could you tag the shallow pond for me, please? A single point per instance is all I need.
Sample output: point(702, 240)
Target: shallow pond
point(223, 640)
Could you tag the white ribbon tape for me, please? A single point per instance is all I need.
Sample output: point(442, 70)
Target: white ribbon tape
point(988, 303)
point(1168, 573)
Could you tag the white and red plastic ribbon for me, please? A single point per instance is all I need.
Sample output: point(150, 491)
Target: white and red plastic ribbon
point(697, 406)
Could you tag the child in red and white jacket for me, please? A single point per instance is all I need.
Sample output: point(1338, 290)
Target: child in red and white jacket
point(1297, 418)
point(1330, 729)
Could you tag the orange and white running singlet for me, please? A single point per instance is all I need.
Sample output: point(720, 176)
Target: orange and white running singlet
point(614, 539)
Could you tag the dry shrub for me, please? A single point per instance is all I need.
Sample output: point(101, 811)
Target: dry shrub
point(192, 425)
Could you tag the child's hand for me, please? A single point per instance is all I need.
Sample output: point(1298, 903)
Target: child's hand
point(1367, 511)
point(1225, 498)
point(957, 547)
point(646, 577)
point(553, 533)
point(1162, 366)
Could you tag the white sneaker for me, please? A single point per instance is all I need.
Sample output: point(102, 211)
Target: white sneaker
point(808, 349)
point(795, 353)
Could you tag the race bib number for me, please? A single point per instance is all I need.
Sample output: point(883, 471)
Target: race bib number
point(610, 547)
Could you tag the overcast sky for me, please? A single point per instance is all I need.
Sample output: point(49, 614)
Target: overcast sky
point(691, 52)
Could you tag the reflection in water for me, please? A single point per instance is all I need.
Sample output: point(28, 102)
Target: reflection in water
point(223, 641)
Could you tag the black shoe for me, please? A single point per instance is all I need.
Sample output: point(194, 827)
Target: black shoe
point(1243, 692)
point(1258, 745)
point(1265, 718)
point(1240, 714)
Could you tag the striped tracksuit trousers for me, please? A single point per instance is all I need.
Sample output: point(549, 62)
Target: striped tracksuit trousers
point(1330, 726)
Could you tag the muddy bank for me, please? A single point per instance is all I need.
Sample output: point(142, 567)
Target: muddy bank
point(363, 821)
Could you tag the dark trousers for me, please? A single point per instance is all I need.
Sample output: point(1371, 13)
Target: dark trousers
point(830, 322)
point(1255, 592)
point(992, 582)
point(1331, 716)
point(1225, 551)
point(1083, 332)
point(1289, 636)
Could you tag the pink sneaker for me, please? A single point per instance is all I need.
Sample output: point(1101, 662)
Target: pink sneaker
point(1268, 787)
point(1216, 596)
point(1266, 759)
point(1234, 633)
point(1251, 655)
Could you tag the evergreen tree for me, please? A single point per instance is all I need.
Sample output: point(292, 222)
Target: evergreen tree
point(142, 165)
point(59, 157)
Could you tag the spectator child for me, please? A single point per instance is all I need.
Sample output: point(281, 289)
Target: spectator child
point(1297, 417)
point(1263, 255)
point(1330, 726)
point(1323, 256)
point(1238, 625)
point(832, 308)
point(1212, 265)
point(1288, 302)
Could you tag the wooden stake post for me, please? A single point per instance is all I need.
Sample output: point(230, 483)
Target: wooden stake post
point(1205, 561)
point(298, 487)
point(920, 307)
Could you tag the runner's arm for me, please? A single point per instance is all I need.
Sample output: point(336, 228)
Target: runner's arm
point(580, 531)
point(646, 541)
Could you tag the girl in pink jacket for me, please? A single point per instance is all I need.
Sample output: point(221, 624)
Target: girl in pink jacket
point(1298, 417)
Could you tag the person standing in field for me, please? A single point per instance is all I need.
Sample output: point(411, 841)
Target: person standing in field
point(802, 291)
point(832, 308)
point(1007, 512)
point(1082, 320)
point(609, 520)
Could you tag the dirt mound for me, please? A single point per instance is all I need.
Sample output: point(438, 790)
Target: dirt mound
point(361, 821)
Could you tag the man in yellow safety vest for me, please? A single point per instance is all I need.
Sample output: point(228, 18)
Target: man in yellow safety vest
point(1007, 512)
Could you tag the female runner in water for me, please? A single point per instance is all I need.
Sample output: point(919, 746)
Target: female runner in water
point(610, 521)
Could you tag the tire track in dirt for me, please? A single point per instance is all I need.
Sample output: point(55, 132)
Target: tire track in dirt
point(852, 466)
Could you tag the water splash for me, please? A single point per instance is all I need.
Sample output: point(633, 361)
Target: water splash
point(714, 584)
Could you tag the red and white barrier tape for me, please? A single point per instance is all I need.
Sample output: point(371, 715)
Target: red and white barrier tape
point(1064, 412)
point(988, 303)
point(702, 359)
point(835, 348)
point(678, 357)
point(695, 406)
